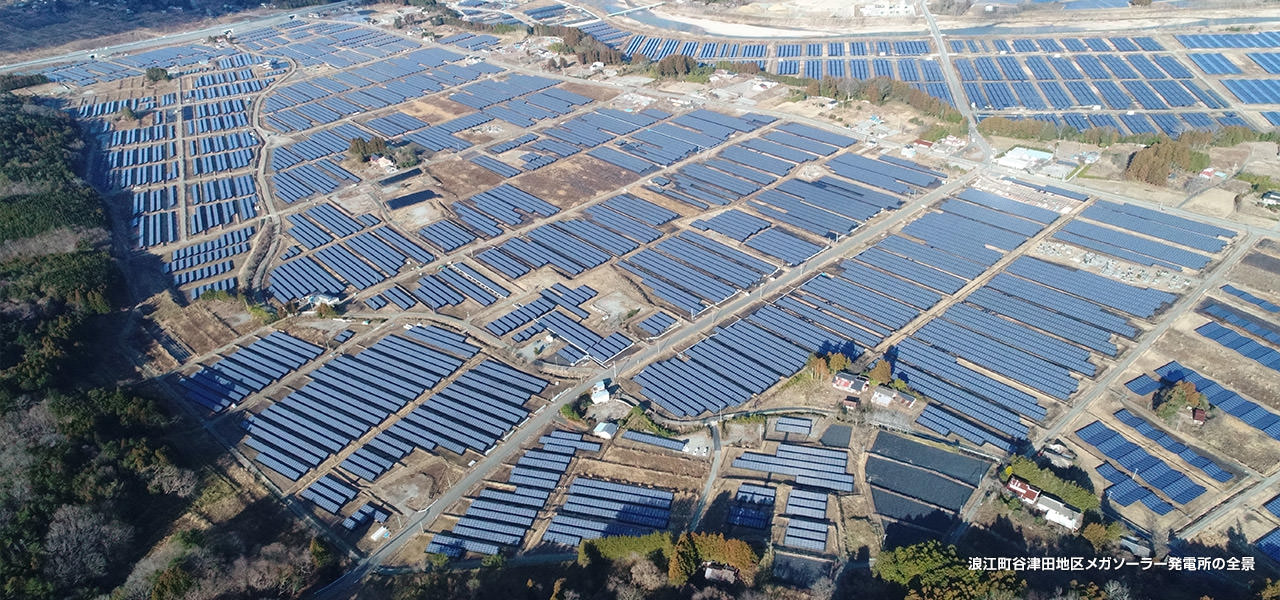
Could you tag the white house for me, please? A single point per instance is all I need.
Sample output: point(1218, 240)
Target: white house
point(1058, 512)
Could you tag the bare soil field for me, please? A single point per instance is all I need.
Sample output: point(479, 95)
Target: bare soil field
point(571, 181)
point(438, 108)
point(1225, 366)
point(202, 326)
point(462, 178)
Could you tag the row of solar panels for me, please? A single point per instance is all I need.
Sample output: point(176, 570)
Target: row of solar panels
point(247, 370)
point(1057, 45)
point(812, 467)
point(594, 508)
point(1134, 459)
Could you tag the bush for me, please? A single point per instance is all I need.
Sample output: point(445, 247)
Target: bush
point(157, 74)
point(641, 421)
point(570, 411)
point(619, 547)
point(10, 81)
point(1176, 398)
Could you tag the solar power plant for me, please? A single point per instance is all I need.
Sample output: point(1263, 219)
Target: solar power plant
point(956, 466)
point(247, 370)
point(1167, 442)
point(798, 425)
point(917, 483)
point(595, 508)
point(752, 506)
point(497, 518)
point(654, 440)
point(1133, 85)
point(1134, 459)
point(1269, 544)
point(806, 534)
point(694, 256)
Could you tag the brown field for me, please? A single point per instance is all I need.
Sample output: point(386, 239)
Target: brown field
point(202, 326)
point(437, 109)
point(462, 178)
point(595, 92)
point(570, 181)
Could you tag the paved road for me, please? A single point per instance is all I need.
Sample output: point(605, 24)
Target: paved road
point(1263, 487)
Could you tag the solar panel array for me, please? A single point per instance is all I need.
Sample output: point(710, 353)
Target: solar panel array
point(1143, 250)
point(330, 493)
point(825, 316)
point(656, 324)
point(1134, 459)
point(805, 503)
point(811, 467)
point(752, 506)
point(1225, 400)
point(1167, 442)
point(806, 534)
point(794, 425)
point(497, 517)
point(359, 252)
point(364, 513)
point(1124, 490)
point(1244, 345)
point(348, 396)
point(1252, 299)
point(1269, 544)
point(1116, 74)
point(654, 440)
point(596, 508)
point(247, 370)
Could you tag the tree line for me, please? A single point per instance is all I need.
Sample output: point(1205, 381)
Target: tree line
point(585, 48)
point(11, 81)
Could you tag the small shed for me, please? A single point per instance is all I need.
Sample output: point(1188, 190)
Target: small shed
point(605, 430)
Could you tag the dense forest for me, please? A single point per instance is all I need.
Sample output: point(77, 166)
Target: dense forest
point(82, 464)
point(102, 492)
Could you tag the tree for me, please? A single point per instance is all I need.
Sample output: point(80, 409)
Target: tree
point(675, 65)
point(822, 589)
point(321, 555)
point(1171, 401)
point(155, 74)
point(126, 113)
point(646, 575)
point(1100, 536)
point(932, 571)
point(684, 561)
point(882, 372)
point(82, 543)
point(837, 362)
point(493, 561)
point(818, 367)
